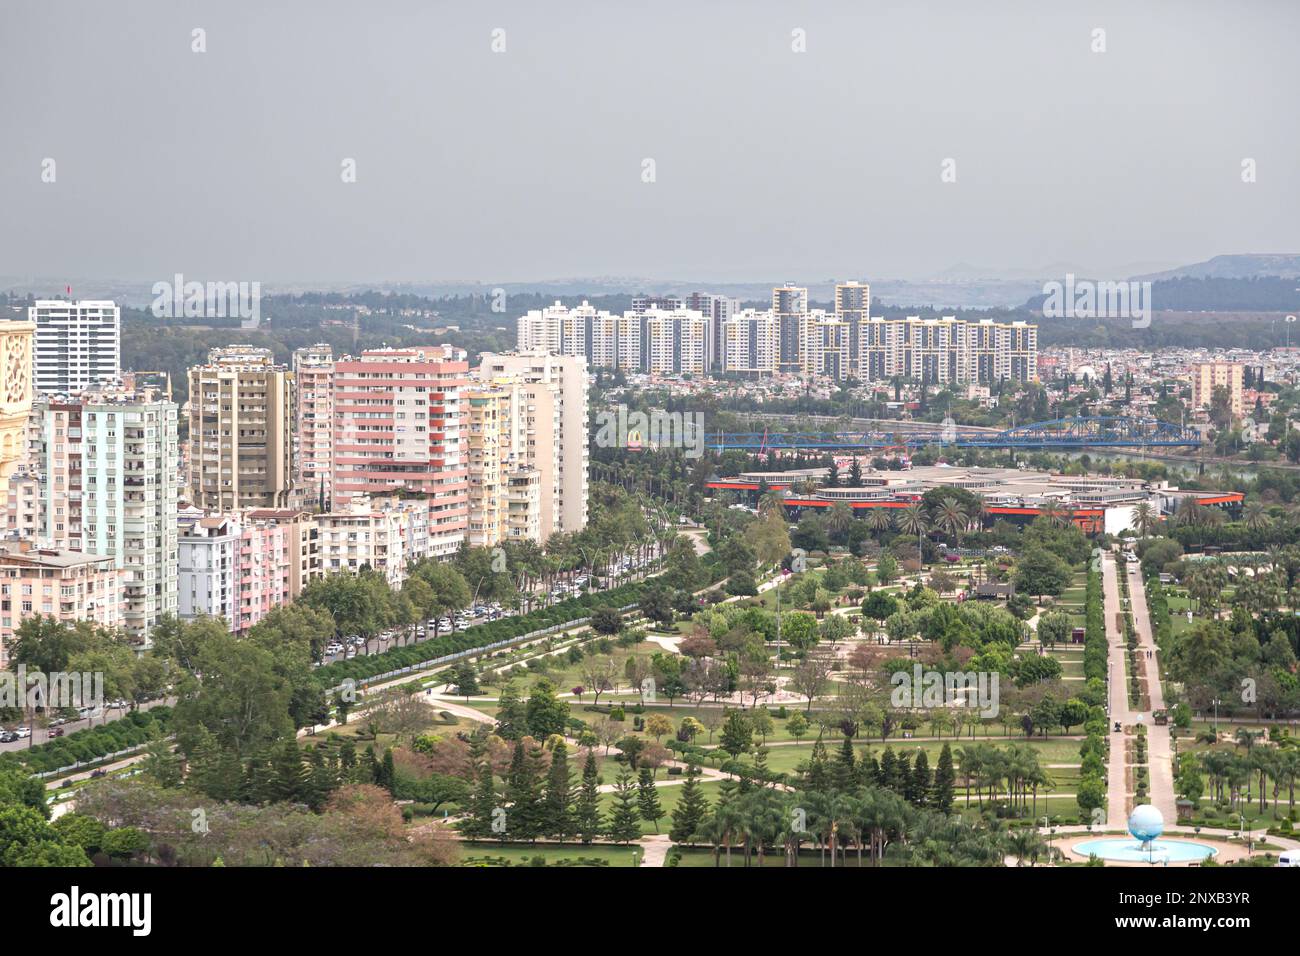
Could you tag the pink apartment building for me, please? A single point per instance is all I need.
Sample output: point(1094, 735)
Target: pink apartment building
point(397, 427)
point(67, 585)
point(263, 571)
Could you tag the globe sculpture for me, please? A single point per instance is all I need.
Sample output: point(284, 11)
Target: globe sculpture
point(1146, 823)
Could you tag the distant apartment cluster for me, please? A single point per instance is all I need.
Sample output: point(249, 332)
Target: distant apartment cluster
point(288, 472)
point(704, 334)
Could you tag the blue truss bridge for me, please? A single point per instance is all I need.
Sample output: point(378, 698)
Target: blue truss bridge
point(1061, 434)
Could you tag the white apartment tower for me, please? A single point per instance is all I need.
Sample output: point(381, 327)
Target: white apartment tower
point(78, 344)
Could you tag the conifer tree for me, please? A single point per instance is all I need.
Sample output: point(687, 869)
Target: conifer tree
point(624, 821)
point(648, 798)
point(692, 809)
point(945, 780)
point(917, 791)
point(558, 803)
point(587, 821)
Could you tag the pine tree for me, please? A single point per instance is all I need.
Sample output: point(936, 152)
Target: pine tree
point(692, 809)
point(321, 781)
point(818, 777)
point(889, 777)
point(624, 821)
point(558, 802)
point(648, 798)
point(587, 820)
point(512, 716)
point(524, 793)
point(477, 824)
point(844, 774)
point(464, 679)
point(917, 792)
point(290, 774)
point(945, 780)
point(347, 758)
point(260, 784)
point(385, 772)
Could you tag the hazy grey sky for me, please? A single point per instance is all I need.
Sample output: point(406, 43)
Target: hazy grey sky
point(526, 164)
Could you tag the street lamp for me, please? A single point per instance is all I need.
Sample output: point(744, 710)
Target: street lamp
point(1216, 703)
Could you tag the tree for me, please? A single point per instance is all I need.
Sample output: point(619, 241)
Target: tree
point(558, 800)
point(737, 733)
point(692, 809)
point(648, 798)
point(658, 726)
point(1041, 572)
point(606, 620)
point(546, 714)
point(944, 782)
point(464, 680)
point(812, 676)
point(1054, 628)
point(587, 817)
point(624, 821)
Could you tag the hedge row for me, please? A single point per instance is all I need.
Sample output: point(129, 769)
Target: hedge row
point(1095, 644)
point(134, 730)
point(480, 635)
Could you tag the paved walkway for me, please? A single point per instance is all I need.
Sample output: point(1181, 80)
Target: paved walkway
point(654, 849)
point(1160, 766)
point(1117, 777)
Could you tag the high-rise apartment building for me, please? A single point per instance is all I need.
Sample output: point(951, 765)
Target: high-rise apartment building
point(853, 307)
point(824, 345)
point(313, 416)
point(1207, 376)
point(717, 309)
point(240, 441)
point(789, 305)
point(554, 439)
point(753, 343)
point(128, 467)
point(78, 344)
point(675, 342)
point(398, 417)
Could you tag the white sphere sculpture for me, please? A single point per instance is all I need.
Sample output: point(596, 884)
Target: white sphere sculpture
point(1146, 823)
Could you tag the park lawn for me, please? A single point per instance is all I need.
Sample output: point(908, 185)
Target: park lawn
point(668, 797)
point(564, 675)
point(487, 853)
point(356, 729)
point(787, 759)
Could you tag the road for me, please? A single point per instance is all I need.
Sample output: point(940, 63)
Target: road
point(1160, 764)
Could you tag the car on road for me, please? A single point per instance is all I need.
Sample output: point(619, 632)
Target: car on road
point(8, 737)
point(56, 732)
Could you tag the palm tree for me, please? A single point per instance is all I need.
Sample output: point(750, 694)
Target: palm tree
point(879, 519)
point(1052, 511)
point(1144, 518)
point(1256, 516)
point(773, 502)
point(912, 520)
point(840, 517)
point(952, 518)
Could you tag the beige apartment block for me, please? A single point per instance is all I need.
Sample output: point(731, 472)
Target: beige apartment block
point(240, 445)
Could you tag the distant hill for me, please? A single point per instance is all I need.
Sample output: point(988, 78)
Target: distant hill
point(1245, 266)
